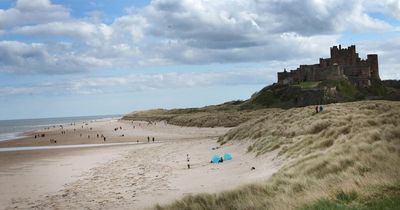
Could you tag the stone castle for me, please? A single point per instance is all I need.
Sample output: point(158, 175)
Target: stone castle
point(343, 64)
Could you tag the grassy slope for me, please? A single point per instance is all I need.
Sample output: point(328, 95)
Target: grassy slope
point(306, 85)
point(342, 158)
point(309, 93)
point(226, 115)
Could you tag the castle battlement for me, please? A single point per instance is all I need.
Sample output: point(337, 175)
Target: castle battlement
point(344, 63)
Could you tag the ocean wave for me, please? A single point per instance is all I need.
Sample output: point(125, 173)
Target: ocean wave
point(11, 136)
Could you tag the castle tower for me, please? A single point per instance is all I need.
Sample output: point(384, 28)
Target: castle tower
point(373, 63)
point(334, 54)
point(344, 56)
point(352, 55)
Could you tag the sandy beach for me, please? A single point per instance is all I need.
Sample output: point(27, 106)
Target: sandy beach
point(134, 176)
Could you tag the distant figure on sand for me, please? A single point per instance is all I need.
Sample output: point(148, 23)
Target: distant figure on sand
point(188, 160)
point(153, 139)
point(316, 109)
point(148, 139)
point(104, 138)
point(321, 108)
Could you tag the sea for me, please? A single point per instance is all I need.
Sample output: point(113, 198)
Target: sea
point(13, 129)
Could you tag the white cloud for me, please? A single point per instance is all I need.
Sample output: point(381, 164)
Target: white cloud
point(8, 91)
point(36, 57)
point(388, 7)
point(388, 53)
point(394, 8)
point(181, 32)
point(73, 29)
point(28, 12)
point(129, 28)
point(141, 82)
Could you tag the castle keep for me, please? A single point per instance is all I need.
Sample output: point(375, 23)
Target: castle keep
point(343, 64)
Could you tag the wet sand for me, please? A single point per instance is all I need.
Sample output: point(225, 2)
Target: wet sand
point(126, 176)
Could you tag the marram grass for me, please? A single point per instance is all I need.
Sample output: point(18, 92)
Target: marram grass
point(342, 158)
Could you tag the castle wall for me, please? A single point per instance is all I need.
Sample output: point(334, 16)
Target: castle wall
point(359, 75)
point(283, 78)
point(329, 73)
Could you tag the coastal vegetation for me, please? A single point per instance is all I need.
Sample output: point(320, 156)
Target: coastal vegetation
point(225, 115)
point(345, 157)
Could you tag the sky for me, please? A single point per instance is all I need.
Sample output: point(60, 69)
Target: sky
point(77, 58)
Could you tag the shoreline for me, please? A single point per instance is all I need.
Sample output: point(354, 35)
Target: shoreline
point(13, 136)
point(27, 138)
point(9, 136)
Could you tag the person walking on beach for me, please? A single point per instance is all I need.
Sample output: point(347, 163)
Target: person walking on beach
point(153, 139)
point(148, 139)
point(316, 109)
point(188, 160)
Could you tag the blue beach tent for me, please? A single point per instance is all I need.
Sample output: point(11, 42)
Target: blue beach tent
point(227, 156)
point(215, 159)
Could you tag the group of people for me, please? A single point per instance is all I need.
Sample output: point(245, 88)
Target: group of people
point(318, 108)
point(116, 129)
point(64, 131)
point(97, 136)
point(40, 135)
point(148, 139)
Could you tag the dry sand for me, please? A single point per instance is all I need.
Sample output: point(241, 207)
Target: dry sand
point(123, 177)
